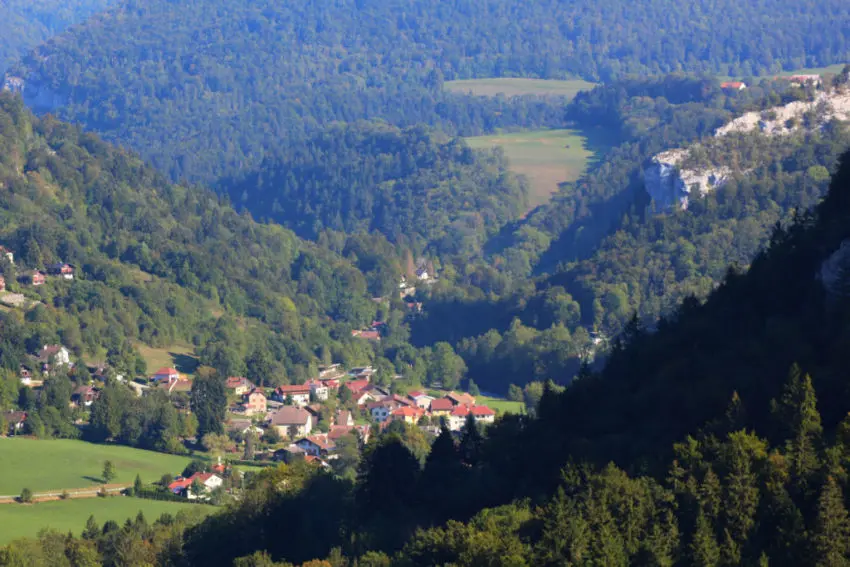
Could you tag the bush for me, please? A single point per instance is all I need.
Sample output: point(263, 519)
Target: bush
point(64, 495)
point(26, 496)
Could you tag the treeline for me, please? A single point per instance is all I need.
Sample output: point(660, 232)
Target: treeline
point(420, 192)
point(232, 100)
point(24, 24)
point(157, 262)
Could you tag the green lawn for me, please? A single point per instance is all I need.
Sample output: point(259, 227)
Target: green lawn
point(179, 356)
point(515, 87)
point(501, 405)
point(834, 69)
point(19, 520)
point(545, 157)
point(44, 465)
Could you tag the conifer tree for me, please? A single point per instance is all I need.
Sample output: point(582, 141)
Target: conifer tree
point(471, 442)
point(799, 410)
point(832, 530)
point(704, 550)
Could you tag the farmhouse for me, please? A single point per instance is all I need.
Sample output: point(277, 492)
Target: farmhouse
point(183, 486)
point(166, 375)
point(238, 385)
point(299, 394)
point(254, 402)
point(292, 421)
point(441, 407)
point(57, 355)
point(62, 270)
point(733, 86)
point(33, 278)
point(459, 415)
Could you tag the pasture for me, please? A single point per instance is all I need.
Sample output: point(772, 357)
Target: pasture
point(546, 158)
point(58, 464)
point(26, 520)
point(517, 87)
point(179, 356)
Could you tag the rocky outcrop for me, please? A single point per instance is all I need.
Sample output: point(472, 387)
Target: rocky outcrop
point(37, 96)
point(670, 186)
point(835, 269)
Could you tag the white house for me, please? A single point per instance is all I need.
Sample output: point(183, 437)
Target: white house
point(183, 486)
point(291, 420)
point(59, 355)
point(319, 390)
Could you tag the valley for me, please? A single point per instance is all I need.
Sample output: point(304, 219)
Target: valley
point(415, 283)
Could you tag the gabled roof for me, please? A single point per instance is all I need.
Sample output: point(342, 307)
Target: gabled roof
point(165, 371)
point(356, 385)
point(461, 398)
point(482, 411)
point(237, 381)
point(407, 411)
point(323, 442)
point(442, 404)
point(289, 415)
point(293, 389)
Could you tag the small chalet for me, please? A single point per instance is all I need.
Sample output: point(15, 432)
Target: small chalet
point(238, 385)
point(442, 407)
point(15, 420)
point(166, 375)
point(61, 270)
point(408, 414)
point(57, 355)
point(319, 389)
point(254, 402)
point(33, 278)
point(733, 86)
point(292, 421)
point(298, 393)
point(461, 399)
point(421, 399)
point(317, 445)
point(84, 396)
point(183, 486)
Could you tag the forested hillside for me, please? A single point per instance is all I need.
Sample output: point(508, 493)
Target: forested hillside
point(204, 88)
point(416, 190)
point(24, 24)
point(719, 439)
point(156, 262)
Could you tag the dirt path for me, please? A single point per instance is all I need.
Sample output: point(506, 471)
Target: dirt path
point(90, 492)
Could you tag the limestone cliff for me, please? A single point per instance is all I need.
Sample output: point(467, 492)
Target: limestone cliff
point(37, 96)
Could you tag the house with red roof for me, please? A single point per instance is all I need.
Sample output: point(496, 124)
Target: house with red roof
point(733, 86)
point(183, 486)
point(461, 399)
point(408, 414)
point(441, 407)
point(239, 385)
point(459, 415)
point(166, 374)
point(368, 335)
point(298, 393)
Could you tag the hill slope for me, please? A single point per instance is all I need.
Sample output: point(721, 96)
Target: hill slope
point(205, 87)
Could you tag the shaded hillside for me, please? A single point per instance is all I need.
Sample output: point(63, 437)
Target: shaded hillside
point(203, 88)
point(156, 261)
point(414, 189)
point(24, 24)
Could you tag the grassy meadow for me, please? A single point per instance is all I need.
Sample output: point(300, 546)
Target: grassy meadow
point(516, 87)
point(47, 465)
point(26, 520)
point(180, 356)
point(545, 157)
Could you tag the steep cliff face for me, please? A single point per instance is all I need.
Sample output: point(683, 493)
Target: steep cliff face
point(669, 184)
point(36, 95)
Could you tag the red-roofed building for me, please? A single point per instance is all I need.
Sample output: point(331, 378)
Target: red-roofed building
point(183, 486)
point(299, 393)
point(408, 414)
point(239, 385)
point(441, 407)
point(317, 445)
point(166, 375)
point(368, 335)
point(357, 385)
point(733, 86)
point(459, 415)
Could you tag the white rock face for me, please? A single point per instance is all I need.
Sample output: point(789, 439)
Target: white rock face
point(36, 96)
point(669, 185)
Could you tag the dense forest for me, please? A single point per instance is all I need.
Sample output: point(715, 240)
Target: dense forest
point(405, 184)
point(203, 89)
point(719, 439)
point(24, 24)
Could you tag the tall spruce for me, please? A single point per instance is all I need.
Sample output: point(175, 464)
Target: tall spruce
point(832, 530)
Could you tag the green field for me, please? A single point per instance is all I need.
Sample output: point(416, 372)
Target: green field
point(179, 356)
point(834, 69)
point(45, 465)
point(20, 520)
point(501, 405)
point(545, 157)
point(516, 87)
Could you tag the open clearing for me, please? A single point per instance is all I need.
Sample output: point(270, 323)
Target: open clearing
point(517, 87)
point(545, 157)
point(180, 356)
point(44, 465)
point(19, 520)
point(500, 405)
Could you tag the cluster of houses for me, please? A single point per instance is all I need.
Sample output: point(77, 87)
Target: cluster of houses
point(798, 80)
point(35, 278)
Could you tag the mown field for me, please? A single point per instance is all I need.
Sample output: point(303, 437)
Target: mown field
point(47, 465)
point(516, 87)
point(545, 157)
point(501, 405)
point(180, 356)
point(26, 520)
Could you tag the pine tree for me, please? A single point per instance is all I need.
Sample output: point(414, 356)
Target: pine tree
point(704, 550)
point(471, 442)
point(137, 486)
point(832, 529)
point(799, 408)
point(92, 531)
point(710, 495)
